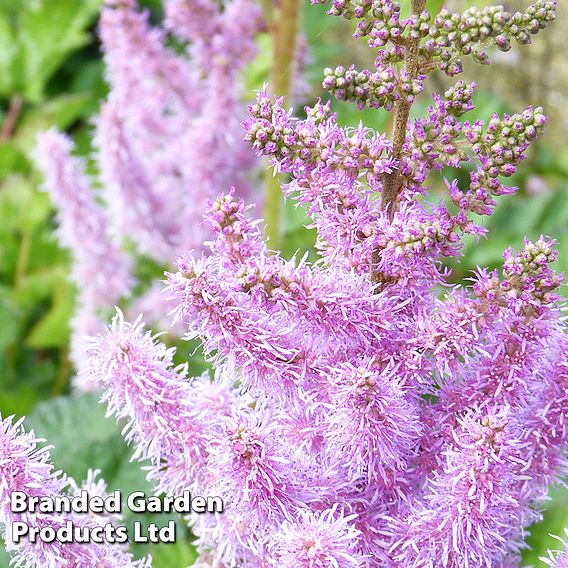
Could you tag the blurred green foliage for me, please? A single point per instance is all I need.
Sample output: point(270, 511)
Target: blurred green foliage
point(51, 74)
point(35, 39)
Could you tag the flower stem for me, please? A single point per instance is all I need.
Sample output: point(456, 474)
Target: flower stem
point(391, 182)
point(284, 32)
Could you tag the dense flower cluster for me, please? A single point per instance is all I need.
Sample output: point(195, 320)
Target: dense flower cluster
point(404, 430)
point(167, 139)
point(326, 162)
point(355, 417)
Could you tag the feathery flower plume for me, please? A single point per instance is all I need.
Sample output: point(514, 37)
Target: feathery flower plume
point(100, 271)
point(160, 154)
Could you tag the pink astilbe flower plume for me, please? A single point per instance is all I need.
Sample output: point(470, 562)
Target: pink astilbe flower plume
point(369, 422)
point(139, 212)
point(471, 513)
point(318, 540)
point(178, 142)
point(167, 139)
point(141, 384)
point(347, 401)
point(100, 271)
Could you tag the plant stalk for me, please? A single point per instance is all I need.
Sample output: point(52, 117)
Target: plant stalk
point(391, 182)
point(11, 118)
point(285, 23)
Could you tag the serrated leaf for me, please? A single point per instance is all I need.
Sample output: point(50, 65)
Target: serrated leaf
point(82, 436)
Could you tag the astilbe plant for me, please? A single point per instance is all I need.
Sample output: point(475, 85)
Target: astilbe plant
point(355, 418)
point(167, 138)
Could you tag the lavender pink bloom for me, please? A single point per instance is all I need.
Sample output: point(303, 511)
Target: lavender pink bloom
point(167, 139)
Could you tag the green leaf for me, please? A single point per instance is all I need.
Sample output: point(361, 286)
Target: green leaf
point(48, 31)
point(349, 115)
point(61, 112)
point(179, 554)
point(434, 6)
point(555, 217)
point(554, 521)
point(4, 556)
point(53, 329)
point(84, 438)
point(18, 401)
point(258, 72)
point(297, 239)
point(21, 205)
point(39, 285)
point(9, 323)
point(12, 160)
point(8, 55)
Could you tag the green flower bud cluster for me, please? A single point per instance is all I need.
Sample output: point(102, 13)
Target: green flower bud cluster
point(453, 35)
point(504, 144)
point(379, 89)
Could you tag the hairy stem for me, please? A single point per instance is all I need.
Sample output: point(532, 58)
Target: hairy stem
point(391, 182)
point(284, 40)
point(284, 33)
